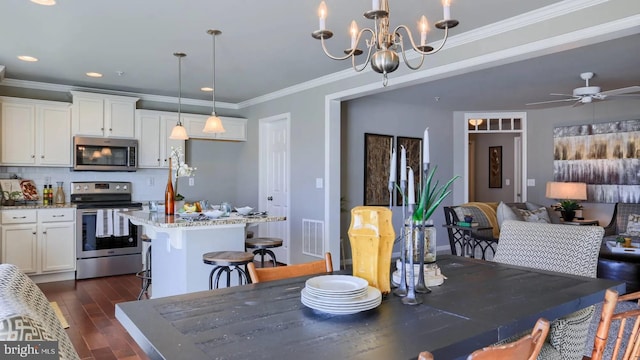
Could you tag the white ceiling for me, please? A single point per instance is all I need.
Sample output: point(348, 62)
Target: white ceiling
point(266, 46)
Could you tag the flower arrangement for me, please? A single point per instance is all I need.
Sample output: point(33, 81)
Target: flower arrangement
point(180, 169)
point(431, 197)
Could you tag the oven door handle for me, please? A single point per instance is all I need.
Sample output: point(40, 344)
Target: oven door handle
point(89, 212)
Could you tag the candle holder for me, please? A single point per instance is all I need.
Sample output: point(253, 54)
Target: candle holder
point(401, 290)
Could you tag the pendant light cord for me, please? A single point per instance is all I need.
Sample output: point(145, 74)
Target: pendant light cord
point(179, 89)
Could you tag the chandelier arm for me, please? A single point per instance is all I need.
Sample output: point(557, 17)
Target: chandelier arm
point(413, 44)
point(400, 41)
point(350, 53)
point(366, 62)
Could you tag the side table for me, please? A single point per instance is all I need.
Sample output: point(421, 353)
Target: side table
point(581, 222)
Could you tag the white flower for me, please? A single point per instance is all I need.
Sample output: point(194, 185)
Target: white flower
point(178, 165)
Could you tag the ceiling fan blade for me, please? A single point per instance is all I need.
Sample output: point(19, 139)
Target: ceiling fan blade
point(552, 101)
point(577, 103)
point(569, 95)
point(626, 90)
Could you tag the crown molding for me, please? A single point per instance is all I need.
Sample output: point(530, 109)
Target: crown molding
point(145, 97)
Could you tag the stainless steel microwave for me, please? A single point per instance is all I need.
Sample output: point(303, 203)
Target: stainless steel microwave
point(104, 154)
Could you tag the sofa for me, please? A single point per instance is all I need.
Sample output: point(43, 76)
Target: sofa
point(27, 315)
point(621, 266)
point(490, 215)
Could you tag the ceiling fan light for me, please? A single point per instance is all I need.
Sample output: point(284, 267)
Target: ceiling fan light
point(179, 133)
point(213, 125)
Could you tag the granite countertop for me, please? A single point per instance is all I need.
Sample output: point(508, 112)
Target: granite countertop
point(37, 205)
point(159, 219)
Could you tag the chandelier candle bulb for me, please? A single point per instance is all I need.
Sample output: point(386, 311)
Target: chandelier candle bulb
point(412, 191)
point(375, 4)
point(322, 14)
point(403, 164)
point(446, 9)
point(425, 147)
point(353, 30)
point(423, 25)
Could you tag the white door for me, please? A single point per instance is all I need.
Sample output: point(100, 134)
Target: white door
point(274, 180)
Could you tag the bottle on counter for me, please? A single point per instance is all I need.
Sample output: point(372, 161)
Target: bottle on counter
point(59, 198)
point(169, 195)
point(50, 193)
point(45, 195)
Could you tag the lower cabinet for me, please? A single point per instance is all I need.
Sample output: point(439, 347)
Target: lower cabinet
point(39, 241)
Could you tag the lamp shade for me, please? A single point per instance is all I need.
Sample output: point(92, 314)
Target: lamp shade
point(566, 190)
point(179, 133)
point(213, 125)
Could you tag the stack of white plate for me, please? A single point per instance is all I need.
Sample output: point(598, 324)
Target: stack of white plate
point(340, 294)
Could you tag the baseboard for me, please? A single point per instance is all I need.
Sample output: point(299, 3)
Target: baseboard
point(61, 276)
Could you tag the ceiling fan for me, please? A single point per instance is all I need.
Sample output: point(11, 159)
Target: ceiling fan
point(586, 94)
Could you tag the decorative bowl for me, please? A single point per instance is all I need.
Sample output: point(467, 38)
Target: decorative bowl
point(244, 210)
point(214, 214)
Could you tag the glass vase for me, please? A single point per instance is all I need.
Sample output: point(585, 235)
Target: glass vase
point(59, 198)
point(425, 234)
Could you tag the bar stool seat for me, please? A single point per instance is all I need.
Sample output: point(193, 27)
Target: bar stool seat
point(262, 246)
point(227, 262)
point(145, 274)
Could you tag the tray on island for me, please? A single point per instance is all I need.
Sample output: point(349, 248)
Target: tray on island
point(634, 249)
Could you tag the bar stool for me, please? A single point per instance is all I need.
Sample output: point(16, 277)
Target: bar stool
point(227, 261)
point(145, 274)
point(262, 246)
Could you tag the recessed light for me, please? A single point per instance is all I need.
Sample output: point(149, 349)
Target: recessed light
point(27, 58)
point(44, 2)
point(94, 74)
point(207, 89)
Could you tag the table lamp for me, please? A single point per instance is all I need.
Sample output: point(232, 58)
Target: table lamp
point(568, 193)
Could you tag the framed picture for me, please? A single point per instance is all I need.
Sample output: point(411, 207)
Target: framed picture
point(376, 169)
point(414, 161)
point(495, 166)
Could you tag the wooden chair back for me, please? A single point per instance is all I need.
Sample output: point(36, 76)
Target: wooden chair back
point(626, 343)
point(526, 348)
point(284, 272)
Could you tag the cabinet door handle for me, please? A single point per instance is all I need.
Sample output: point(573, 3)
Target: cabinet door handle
point(41, 156)
point(58, 216)
point(33, 156)
point(19, 217)
point(34, 233)
point(44, 232)
point(270, 198)
point(110, 129)
point(101, 129)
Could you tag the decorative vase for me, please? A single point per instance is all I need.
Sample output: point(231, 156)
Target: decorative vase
point(568, 215)
point(371, 236)
point(59, 199)
point(426, 235)
point(169, 195)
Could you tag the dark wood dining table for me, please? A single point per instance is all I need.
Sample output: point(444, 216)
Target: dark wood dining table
point(480, 303)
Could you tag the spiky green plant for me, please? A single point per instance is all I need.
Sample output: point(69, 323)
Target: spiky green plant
point(431, 197)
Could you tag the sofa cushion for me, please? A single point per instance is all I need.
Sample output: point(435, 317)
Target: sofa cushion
point(506, 212)
point(538, 215)
point(633, 225)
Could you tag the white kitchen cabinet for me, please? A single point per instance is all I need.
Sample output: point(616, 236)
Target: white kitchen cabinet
point(152, 131)
point(35, 132)
point(235, 128)
point(103, 115)
point(39, 241)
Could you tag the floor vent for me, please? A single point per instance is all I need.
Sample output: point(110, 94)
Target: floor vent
point(313, 238)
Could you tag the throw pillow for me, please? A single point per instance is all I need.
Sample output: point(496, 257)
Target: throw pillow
point(505, 212)
point(540, 215)
point(633, 226)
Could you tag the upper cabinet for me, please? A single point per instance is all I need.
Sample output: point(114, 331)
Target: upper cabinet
point(152, 131)
point(35, 132)
point(235, 128)
point(103, 115)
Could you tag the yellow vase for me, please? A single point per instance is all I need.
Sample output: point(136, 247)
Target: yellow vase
point(371, 236)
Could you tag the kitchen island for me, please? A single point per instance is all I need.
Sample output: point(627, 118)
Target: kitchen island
point(178, 244)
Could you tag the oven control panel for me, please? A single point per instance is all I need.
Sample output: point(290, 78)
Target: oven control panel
point(96, 187)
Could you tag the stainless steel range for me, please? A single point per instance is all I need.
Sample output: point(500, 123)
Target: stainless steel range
point(106, 244)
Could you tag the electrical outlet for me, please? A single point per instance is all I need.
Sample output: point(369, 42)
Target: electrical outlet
point(192, 181)
point(151, 181)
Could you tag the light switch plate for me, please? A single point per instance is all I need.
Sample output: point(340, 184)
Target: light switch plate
point(319, 183)
point(531, 182)
point(192, 181)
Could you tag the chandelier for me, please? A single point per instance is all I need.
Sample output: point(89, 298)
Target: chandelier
point(384, 45)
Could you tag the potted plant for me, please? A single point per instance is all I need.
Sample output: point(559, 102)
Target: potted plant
point(568, 209)
point(10, 197)
point(180, 169)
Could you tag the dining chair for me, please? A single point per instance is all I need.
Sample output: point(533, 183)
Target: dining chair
point(526, 348)
point(561, 248)
point(626, 342)
point(258, 275)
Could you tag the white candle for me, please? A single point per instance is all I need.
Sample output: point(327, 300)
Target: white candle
point(392, 169)
point(446, 9)
point(425, 147)
point(403, 164)
point(423, 25)
point(375, 4)
point(353, 30)
point(322, 14)
point(412, 191)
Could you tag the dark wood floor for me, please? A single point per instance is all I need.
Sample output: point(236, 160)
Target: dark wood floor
point(89, 307)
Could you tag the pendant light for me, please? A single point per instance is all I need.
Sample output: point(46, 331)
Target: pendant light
point(179, 132)
point(214, 124)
